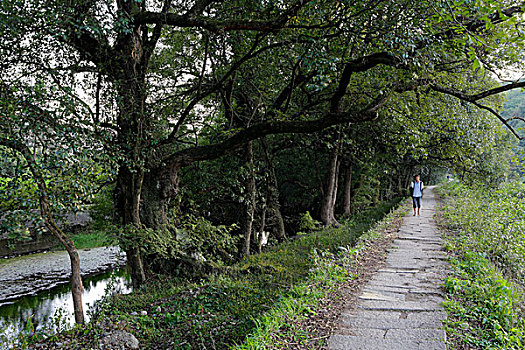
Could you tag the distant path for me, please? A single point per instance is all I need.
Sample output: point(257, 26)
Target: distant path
point(400, 307)
point(30, 274)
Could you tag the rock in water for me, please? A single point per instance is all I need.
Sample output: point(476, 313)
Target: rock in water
point(119, 340)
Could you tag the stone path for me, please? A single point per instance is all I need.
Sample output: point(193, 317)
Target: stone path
point(400, 307)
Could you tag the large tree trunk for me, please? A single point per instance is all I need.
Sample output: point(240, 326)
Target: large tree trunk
point(160, 185)
point(249, 204)
point(130, 177)
point(142, 202)
point(132, 50)
point(129, 187)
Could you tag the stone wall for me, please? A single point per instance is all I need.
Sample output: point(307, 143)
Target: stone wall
point(68, 222)
point(11, 247)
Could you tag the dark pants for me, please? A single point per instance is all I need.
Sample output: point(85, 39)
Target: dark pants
point(416, 201)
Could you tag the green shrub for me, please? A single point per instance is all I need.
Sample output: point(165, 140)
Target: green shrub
point(482, 306)
point(307, 223)
point(102, 209)
point(264, 289)
point(487, 234)
point(491, 221)
point(192, 235)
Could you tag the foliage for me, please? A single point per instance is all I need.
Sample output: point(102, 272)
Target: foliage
point(329, 269)
point(224, 308)
point(101, 210)
point(482, 306)
point(307, 223)
point(485, 305)
point(190, 236)
point(199, 236)
point(123, 91)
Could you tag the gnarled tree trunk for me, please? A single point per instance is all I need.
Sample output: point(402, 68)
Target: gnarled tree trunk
point(129, 187)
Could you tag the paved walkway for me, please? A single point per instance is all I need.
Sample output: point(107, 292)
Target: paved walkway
point(400, 307)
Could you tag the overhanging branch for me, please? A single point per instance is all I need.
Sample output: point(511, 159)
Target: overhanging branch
point(503, 120)
point(190, 155)
point(191, 20)
point(473, 99)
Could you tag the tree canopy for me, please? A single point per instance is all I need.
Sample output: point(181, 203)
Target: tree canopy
point(144, 91)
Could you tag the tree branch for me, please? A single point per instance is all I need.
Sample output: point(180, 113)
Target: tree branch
point(503, 120)
point(190, 155)
point(474, 98)
point(149, 45)
point(201, 95)
point(190, 20)
point(360, 64)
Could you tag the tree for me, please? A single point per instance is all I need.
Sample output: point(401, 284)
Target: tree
point(56, 168)
point(151, 74)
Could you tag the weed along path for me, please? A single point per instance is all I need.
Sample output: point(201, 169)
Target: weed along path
point(400, 308)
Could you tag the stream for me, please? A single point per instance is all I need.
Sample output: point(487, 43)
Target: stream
point(34, 289)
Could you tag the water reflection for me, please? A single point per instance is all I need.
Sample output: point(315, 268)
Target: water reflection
point(40, 309)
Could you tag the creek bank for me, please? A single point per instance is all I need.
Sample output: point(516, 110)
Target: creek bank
point(10, 248)
point(30, 274)
point(37, 242)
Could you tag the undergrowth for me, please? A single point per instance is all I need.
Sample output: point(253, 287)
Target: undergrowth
point(275, 328)
point(484, 302)
point(248, 307)
point(251, 305)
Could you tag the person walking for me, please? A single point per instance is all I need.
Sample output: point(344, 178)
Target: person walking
point(416, 188)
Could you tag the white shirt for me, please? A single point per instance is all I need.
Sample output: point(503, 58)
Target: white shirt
point(417, 189)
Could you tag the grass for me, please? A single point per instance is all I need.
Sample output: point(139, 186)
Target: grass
point(481, 306)
point(277, 328)
point(93, 239)
point(484, 306)
point(249, 306)
point(89, 239)
point(252, 306)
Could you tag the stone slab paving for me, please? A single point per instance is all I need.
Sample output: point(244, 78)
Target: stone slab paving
point(400, 308)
